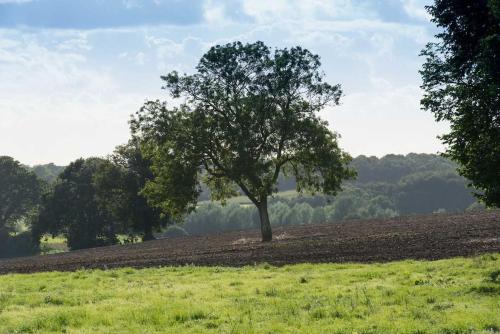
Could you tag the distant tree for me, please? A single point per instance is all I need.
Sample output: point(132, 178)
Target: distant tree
point(381, 207)
point(300, 213)
point(20, 191)
point(236, 217)
point(278, 212)
point(429, 192)
point(20, 244)
point(119, 185)
point(347, 207)
point(318, 216)
point(48, 172)
point(461, 79)
point(72, 208)
point(175, 231)
point(391, 168)
point(425, 183)
point(249, 114)
point(206, 219)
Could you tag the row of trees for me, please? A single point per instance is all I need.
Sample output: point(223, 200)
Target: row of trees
point(437, 188)
point(93, 200)
point(89, 203)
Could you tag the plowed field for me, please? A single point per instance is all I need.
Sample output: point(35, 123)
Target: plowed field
point(414, 237)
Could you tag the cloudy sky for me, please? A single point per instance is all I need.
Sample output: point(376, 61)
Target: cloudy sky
point(72, 71)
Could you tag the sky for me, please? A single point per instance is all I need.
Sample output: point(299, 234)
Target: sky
point(73, 71)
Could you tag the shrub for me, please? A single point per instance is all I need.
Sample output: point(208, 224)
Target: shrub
point(21, 244)
point(495, 276)
point(174, 231)
point(486, 289)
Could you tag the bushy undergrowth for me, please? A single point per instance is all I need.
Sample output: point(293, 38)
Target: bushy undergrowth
point(20, 244)
point(448, 296)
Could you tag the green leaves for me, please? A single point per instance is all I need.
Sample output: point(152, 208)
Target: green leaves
point(221, 188)
point(175, 188)
point(73, 209)
point(461, 79)
point(246, 113)
point(20, 191)
point(118, 186)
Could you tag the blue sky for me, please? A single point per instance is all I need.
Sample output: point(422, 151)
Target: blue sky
point(72, 71)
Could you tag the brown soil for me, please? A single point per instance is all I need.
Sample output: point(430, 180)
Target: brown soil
point(414, 237)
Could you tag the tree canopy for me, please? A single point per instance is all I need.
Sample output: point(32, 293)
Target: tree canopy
point(48, 172)
point(118, 187)
point(249, 113)
point(73, 210)
point(20, 191)
point(461, 79)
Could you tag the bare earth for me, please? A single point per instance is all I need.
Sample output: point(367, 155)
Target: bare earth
point(414, 237)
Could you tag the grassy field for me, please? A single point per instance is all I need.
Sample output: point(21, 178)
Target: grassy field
point(53, 245)
point(448, 296)
point(245, 201)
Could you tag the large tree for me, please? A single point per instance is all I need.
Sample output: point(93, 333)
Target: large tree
point(119, 184)
point(247, 114)
point(461, 79)
point(72, 208)
point(20, 191)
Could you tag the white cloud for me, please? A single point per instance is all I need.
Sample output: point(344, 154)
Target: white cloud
point(139, 58)
point(54, 106)
point(66, 93)
point(76, 43)
point(337, 33)
point(385, 119)
point(416, 9)
point(165, 47)
point(362, 26)
point(338, 41)
point(169, 52)
point(382, 43)
point(214, 13)
point(131, 4)
point(264, 11)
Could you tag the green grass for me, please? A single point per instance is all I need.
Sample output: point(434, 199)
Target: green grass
point(448, 297)
point(52, 245)
point(245, 201)
point(58, 244)
point(50, 240)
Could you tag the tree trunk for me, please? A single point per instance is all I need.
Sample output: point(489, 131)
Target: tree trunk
point(148, 232)
point(265, 225)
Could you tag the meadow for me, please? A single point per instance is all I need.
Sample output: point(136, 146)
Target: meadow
point(53, 245)
point(460, 295)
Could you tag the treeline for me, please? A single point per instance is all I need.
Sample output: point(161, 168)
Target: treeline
point(48, 172)
point(93, 200)
point(385, 187)
point(90, 202)
point(96, 199)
